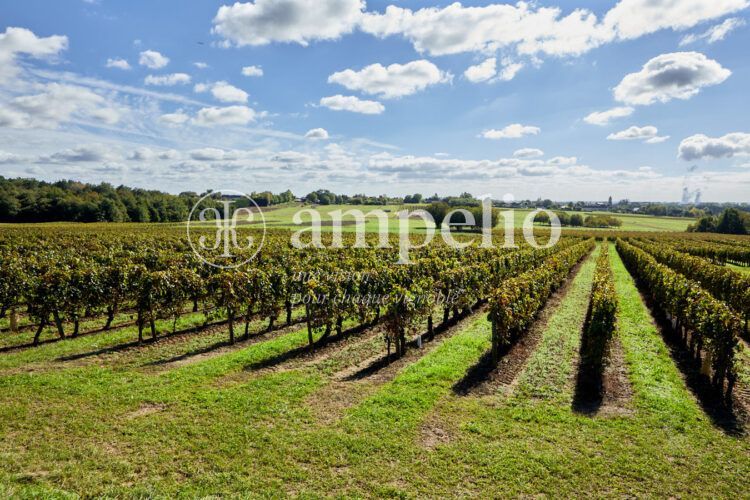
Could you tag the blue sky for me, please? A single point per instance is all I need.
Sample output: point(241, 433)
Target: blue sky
point(480, 96)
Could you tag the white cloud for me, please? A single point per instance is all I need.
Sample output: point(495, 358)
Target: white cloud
point(148, 154)
point(223, 91)
point(211, 154)
point(528, 153)
point(174, 118)
point(509, 71)
point(20, 41)
point(229, 115)
point(317, 133)
point(715, 33)
point(533, 30)
point(354, 104)
point(657, 139)
point(555, 171)
point(200, 65)
point(153, 59)
point(301, 21)
point(482, 71)
point(118, 63)
point(455, 29)
point(602, 118)
point(167, 80)
point(648, 134)
point(513, 131)
point(56, 104)
point(6, 158)
point(701, 147)
point(395, 80)
point(678, 75)
point(634, 18)
point(252, 71)
point(90, 153)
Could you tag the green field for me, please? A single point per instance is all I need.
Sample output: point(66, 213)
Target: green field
point(282, 218)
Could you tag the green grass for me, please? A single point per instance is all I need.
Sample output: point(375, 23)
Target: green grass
point(739, 269)
point(115, 426)
point(549, 373)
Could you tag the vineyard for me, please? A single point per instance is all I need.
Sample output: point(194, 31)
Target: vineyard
point(130, 367)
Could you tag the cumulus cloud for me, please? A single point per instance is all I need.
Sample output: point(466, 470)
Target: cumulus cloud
point(200, 65)
point(702, 147)
point(300, 21)
point(455, 29)
point(487, 71)
point(715, 33)
point(532, 30)
point(509, 70)
point(223, 91)
point(633, 133)
point(252, 71)
point(153, 59)
point(229, 115)
point(177, 118)
point(634, 18)
point(90, 153)
point(354, 104)
point(6, 158)
point(528, 153)
point(514, 131)
point(167, 80)
point(148, 154)
point(211, 154)
point(602, 118)
point(649, 134)
point(317, 133)
point(56, 104)
point(118, 63)
point(395, 80)
point(482, 71)
point(678, 75)
point(20, 41)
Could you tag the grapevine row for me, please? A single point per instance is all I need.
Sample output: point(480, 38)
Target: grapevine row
point(729, 286)
point(601, 317)
point(515, 304)
point(709, 328)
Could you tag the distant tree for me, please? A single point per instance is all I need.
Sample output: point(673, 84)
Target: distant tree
point(602, 221)
point(564, 218)
point(438, 211)
point(704, 225)
point(576, 220)
point(542, 218)
point(730, 222)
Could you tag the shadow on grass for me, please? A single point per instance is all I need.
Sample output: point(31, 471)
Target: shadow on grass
point(28, 345)
point(589, 390)
point(723, 414)
point(112, 328)
point(385, 360)
point(310, 349)
point(135, 344)
point(240, 341)
point(588, 396)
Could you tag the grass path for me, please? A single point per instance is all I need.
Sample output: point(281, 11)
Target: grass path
point(551, 370)
point(658, 386)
